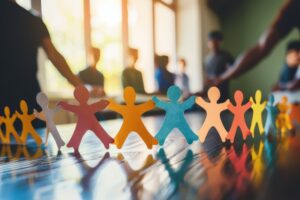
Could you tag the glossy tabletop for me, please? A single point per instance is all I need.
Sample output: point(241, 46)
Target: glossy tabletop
point(263, 168)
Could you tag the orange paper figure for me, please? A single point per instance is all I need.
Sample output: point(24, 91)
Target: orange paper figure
point(2, 138)
point(258, 107)
point(239, 116)
point(27, 127)
point(295, 113)
point(86, 118)
point(47, 115)
point(175, 116)
point(283, 121)
point(132, 118)
point(9, 121)
point(213, 111)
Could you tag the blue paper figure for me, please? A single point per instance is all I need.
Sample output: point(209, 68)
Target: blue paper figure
point(271, 116)
point(175, 116)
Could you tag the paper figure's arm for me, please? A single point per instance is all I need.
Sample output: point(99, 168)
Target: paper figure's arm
point(231, 107)
point(114, 106)
point(39, 115)
point(1, 120)
point(100, 105)
point(68, 107)
point(188, 103)
point(224, 105)
point(247, 105)
point(251, 100)
point(200, 101)
point(149, 105)
point(159, 103)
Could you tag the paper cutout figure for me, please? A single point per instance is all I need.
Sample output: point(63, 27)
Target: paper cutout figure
point(2, 137)
point(176, 174)
point(258, 165)
point(239, 116)
point(213, 111)
point(295, 113)
point(132, 118)
point(9, 121)
point(27, 127)
point(86, 118)
point(175, 116)
point(272, 111)
point(258, 107)
point(47, 115)
point(283, 121)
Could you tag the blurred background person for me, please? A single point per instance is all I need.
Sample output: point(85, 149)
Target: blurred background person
point(130, 75)
point(164, 78)
point(217, 62)
point(93, 77)
point(182, 79)
point(21, 35)
point(287, 79)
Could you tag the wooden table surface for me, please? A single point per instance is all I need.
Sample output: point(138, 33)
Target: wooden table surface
point(260, 169)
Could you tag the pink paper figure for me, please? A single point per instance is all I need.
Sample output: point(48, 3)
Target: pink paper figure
point(9, 121)
point(86, 118)
point(27, 127)
point(213, 111)
point(47, 115)
point(239, 116)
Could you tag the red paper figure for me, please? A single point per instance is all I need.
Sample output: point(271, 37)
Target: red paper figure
point(9, 121)
point(132, 118)
point(213, 118)
point(27, 127)
point(239, 116)
point(86, 118)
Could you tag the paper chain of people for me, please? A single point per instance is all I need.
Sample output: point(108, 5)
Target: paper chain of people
point(277, 118)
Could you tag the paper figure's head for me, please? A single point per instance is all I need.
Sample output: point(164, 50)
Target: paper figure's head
point(284, 99)
point(24, 107)
point(42, 99)
point(271, 99)
point(129, 95)
point(258, 96)
point(7, 111)
point(81, 94)
point(213, 94)
point(238, 97)
point(174, 93)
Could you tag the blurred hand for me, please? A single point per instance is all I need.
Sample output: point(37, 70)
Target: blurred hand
point(276, 87)
point(214, 81)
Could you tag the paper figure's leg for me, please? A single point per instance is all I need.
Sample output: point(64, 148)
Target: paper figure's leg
point(59, 142)
point(288, 122)
point(103, 136)
point(245, 130)
point(36, 137)
point(189, 135)
point(23, 137)
point(121, 136)
point(147, 137)
point(252, 127)
point(3, 139)
point(232, 132)
point(16, 136)
point(261, 127)
point(76, 138)
point(221, 130)
point(202, 133)
point(267, 126)
point(163, 133)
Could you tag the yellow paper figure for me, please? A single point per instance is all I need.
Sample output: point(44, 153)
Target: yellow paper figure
point(132, 118)
point(283, 121)
point(27, 127)
point(9, 121)
point(258, 109)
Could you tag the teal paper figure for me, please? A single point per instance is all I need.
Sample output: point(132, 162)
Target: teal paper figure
point(176, 176)
point(271, 116)
point(175, 116)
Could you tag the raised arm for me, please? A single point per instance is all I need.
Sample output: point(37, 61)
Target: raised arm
point(68, 107)
point(114, 106)
point(224, 105)
point(200, 101)
point(247, 105)
point(149, 105)
point(231, 107)
point(159, 103)
point(251, 100)
point(189, 102)
point(39, 115)
point(100, 105)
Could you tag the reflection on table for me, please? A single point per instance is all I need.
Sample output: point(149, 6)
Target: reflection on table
point(258, 169)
